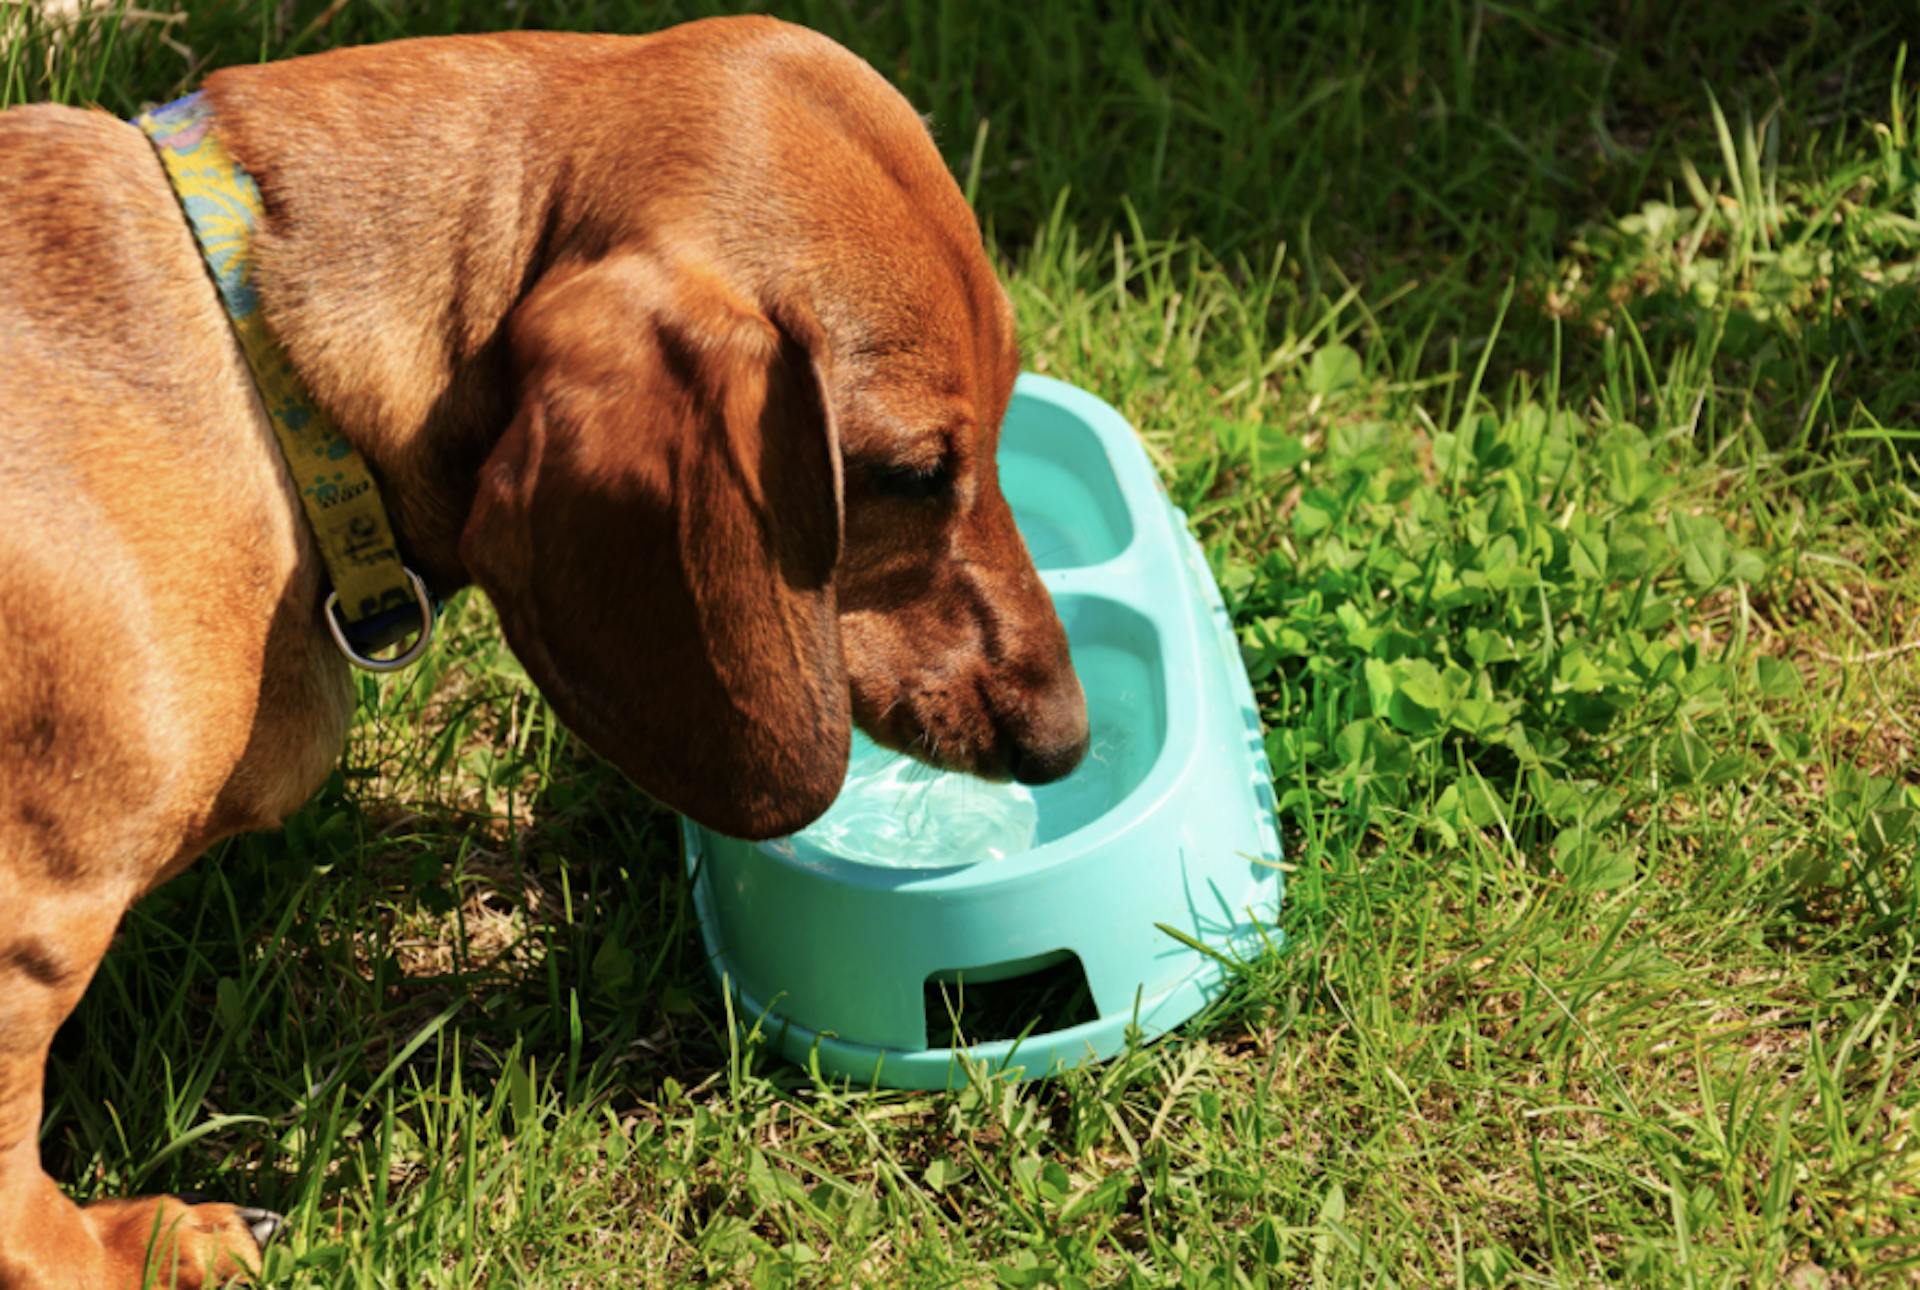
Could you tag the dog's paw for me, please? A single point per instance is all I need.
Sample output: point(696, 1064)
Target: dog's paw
point(184, 1242)
point(264, 1224)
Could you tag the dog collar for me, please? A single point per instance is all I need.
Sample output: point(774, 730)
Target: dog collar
point(376, 600)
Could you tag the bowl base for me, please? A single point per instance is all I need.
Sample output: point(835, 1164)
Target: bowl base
point(1037, 1055)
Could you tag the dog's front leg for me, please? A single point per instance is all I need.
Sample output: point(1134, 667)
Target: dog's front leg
point(51, 939)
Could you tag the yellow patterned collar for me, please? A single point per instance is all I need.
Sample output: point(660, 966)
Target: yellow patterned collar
point(377, 601)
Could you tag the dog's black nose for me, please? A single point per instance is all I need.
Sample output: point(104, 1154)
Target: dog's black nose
point(1045, 765)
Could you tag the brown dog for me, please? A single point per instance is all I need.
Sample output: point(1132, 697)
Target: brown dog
point(683, 347)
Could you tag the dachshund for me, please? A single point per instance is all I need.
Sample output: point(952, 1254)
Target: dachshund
point(685, 348)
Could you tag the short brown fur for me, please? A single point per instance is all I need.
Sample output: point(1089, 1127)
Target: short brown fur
point(684, 347)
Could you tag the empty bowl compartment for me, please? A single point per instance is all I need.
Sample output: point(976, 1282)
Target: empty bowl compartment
point(1057, 477)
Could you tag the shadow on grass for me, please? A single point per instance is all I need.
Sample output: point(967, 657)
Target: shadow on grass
point(253, 1014)
point(363, 945)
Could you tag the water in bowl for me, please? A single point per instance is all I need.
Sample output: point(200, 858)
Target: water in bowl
point(898, 813)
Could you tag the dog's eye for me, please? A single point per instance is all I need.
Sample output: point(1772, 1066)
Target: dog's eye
point(913, 483)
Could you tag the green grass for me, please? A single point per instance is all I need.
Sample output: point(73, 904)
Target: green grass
point(1544, 381)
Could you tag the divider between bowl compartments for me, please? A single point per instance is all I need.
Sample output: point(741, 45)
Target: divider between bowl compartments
point(1115, 579)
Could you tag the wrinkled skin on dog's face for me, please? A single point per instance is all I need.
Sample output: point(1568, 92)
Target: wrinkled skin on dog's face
point(954, 651)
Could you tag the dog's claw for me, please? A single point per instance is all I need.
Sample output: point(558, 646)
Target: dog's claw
point(263, 1223)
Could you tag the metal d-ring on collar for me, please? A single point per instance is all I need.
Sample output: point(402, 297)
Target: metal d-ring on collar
point(404, 658)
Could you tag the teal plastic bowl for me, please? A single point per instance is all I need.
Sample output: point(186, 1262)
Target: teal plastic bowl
point(1169, 821)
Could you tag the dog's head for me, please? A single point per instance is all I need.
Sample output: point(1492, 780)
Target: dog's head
point(749, 496)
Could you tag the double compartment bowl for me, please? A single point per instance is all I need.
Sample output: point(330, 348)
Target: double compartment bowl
point(1169, 820)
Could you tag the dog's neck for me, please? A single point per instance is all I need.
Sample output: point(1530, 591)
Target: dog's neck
point(406, 214)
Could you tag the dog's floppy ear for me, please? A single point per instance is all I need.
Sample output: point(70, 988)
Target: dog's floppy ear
point(659, 528)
